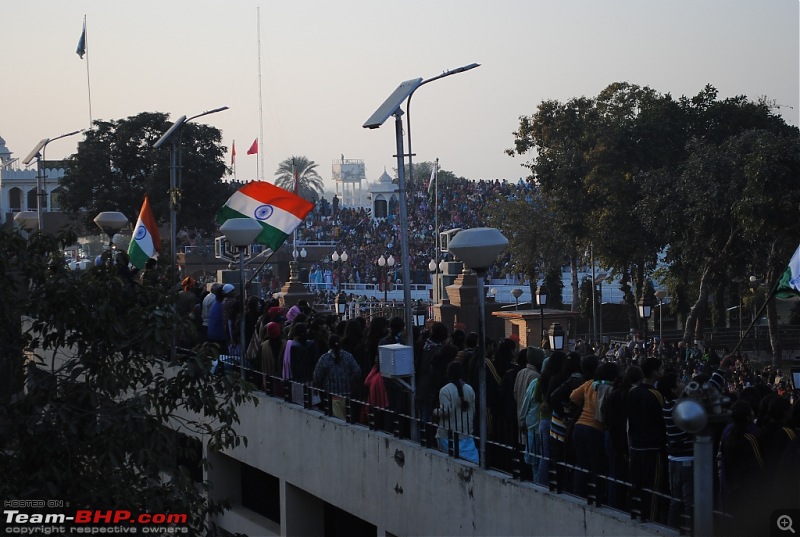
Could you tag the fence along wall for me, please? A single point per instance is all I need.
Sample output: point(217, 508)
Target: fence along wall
point(396, 485)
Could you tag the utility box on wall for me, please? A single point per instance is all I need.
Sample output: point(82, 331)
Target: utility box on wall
point(396, 360)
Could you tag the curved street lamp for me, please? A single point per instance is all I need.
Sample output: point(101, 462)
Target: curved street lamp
point(391, 107)
point(477, 248)
point(173, 136)
point(38, 153)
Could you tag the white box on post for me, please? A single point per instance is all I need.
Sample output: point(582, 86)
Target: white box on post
point(396, 360)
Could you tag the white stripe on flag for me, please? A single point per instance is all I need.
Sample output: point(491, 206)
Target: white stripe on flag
point(263, 212)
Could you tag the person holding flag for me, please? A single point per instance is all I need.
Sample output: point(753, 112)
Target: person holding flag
point(145, 242)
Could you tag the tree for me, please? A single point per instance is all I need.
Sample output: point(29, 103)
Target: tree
point(116, 166)
point(310, 183)
point(534, 239)
point(560, 134)
point(103, 420)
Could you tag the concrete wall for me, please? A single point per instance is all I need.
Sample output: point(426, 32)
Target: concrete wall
point(396, 485)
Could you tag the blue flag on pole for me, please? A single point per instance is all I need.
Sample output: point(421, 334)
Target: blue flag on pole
point(81, 50)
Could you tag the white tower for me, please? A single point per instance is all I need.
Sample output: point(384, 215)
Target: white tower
point(349, 175)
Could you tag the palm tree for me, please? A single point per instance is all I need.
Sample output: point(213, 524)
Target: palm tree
point(310, 187)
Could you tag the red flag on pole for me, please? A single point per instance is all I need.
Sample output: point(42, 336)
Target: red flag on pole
point(233, 153)
point(253, 148)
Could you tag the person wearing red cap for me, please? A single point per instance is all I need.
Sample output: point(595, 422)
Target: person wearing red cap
point(271, 346)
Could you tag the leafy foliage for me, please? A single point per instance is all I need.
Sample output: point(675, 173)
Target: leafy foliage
point(707, 184)
point(310, 185)
point(116, 166)
point(103, 419)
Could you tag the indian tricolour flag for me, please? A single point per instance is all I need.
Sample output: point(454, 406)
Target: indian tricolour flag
point(145, 242)
point(789, 284)
point(277, 210)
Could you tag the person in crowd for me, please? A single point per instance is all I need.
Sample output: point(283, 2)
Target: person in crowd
point(615, 417)
point(271, 353)
point(647, 439)
point(588, 438)
point(395, 336)
point(551, 367)
point(455, 414)
point(528, 409)
point(507, 365)
point(424, 396)
point(149, 275)
point(353, 340)
point(231, 311)
point(337, 372)
point(217, 332)
point(205, 307)
point(534, 357)
point(563, 415)
point(743, 466)
point(185, 307)
point(680, 456)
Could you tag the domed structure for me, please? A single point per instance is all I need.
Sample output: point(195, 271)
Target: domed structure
point(18, 186)
point(385, 196)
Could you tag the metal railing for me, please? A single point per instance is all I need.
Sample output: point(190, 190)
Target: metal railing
point(503, 458)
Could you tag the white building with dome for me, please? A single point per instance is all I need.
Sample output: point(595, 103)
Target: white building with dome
point(18, 185)
point(385, 196)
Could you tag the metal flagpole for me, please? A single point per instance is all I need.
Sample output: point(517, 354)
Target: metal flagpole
point(260, 100)
point(88, 82)
point(436, 239)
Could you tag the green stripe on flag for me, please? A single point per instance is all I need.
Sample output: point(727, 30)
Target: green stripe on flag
point(270, 236)
point(789, 283)
point(138, 257)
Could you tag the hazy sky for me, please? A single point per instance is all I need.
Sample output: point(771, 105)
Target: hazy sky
point(327, 65)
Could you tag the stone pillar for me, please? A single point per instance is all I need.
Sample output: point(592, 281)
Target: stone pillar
point(293, 290)
point(463, 295)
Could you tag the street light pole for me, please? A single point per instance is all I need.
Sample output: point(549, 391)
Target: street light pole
point(391, 107)
point(241, 232)
point(477, 248)
point(173, 135)
point(38, 153)
point(645, 310)
point(660, 294)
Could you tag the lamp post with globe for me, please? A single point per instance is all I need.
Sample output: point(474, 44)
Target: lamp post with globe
point(241, 232)
point(385, 264)
point(477, 248)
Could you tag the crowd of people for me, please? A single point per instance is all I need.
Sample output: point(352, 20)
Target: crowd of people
point(598, 421)
point(353, 230)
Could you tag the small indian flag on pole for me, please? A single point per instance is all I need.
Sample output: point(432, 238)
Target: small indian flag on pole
point(789, 283)
point(278, 211)
point(145, 242)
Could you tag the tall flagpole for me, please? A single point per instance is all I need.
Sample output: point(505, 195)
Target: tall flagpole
point(260, 98)
point(233, 159)
point(294, 237)
point(88, 82)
